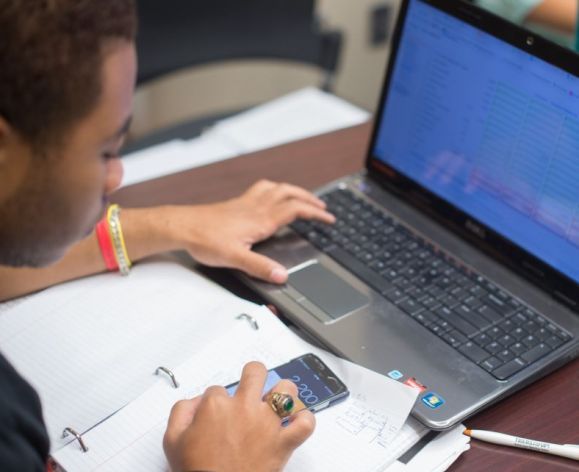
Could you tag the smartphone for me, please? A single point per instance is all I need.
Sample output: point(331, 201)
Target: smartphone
point(318, 386)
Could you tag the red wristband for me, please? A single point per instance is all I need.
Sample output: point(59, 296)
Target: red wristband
point(106, 245)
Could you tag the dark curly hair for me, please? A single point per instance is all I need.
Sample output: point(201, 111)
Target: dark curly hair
point(51, 55)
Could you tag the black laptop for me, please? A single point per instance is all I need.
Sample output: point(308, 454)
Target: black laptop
point(454, 263)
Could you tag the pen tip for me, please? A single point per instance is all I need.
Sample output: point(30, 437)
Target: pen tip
point(466, 432)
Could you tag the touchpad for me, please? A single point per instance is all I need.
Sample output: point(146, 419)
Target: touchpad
point(326, 290)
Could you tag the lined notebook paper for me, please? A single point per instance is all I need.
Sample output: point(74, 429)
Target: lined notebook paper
point(356, 434)
point(91, 346)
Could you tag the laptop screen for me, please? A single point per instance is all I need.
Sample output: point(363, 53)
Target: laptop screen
point(489, 128)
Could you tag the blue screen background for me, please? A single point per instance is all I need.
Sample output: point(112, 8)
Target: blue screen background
point(489, 128)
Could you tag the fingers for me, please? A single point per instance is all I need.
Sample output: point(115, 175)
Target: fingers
point(286, 386)
point(252, 381)
point(259, 266)
point(295, 209)
point(300, 427)
point(287, 191)
point(279, 192)
point(181, 417)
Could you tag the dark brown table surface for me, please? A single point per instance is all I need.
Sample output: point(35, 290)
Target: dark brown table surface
point(548, 410)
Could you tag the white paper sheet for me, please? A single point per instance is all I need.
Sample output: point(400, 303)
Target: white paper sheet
point(174, 156)
point(299, 115)
point(91, 346)
point(438, 455)
point(353, 435)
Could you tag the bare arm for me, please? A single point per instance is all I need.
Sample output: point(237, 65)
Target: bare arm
point(219, 235)
point(558, 14)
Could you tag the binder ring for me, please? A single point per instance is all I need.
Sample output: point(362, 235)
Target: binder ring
point(77, 436)
point(250, 320)
point(169, 373)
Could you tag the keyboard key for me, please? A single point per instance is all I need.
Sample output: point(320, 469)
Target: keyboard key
point(448, 301)
point(506, 340)
point(395, 295)
point(540, 350)
point(519, 319)
point(478, 291)
point(531, 326)
point(507, 325)
point(554, 342)
point(474, 352)
point(455, 338)
point(472, 302)
point(402, 283)
point(482, 339)
point(495, 332)
point(492, 315)
point(518, 333)
point(499, 305)
point(431, 302)
point(506, 355)
point(542, 334)
point(518, 348)
point(436, 329)
point(459, 323)
point(563, 335)
point(491, 364)
point(509, 369)
point(445, 325)
point(363, 272)
point(410, 306)
point(494, 347)
point(472, 317)
point(430, 317)
point(530, 341)
point(421, 319)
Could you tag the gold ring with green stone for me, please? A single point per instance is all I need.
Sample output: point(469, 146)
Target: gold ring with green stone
point(281, 403)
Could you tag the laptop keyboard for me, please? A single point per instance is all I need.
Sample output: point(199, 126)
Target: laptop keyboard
point(490, 327)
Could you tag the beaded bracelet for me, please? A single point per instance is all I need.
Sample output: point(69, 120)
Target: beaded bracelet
point(117, 239)
point(112, 243)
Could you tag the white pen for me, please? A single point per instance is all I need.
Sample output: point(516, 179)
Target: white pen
point(564, 450)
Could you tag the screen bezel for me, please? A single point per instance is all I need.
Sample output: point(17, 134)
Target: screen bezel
point(471, 229)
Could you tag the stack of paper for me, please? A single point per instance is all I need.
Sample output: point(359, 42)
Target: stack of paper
point(299, 115)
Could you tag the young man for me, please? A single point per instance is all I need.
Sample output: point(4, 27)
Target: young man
point(67, 72)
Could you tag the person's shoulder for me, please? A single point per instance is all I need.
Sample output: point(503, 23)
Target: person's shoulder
point(23, 438)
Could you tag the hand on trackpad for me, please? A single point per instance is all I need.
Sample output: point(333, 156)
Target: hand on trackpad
point(326, 290)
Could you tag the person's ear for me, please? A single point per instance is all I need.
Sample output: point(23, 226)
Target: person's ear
point(15, 157)
point(4, 129)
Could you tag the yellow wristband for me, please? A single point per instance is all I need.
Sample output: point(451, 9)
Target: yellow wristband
point(116, 234)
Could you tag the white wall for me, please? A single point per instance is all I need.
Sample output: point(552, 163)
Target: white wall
point(208, 89)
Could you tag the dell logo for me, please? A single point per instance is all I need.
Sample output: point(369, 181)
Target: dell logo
point(475, 228)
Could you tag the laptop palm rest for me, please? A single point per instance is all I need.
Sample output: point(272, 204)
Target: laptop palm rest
point(325, 290)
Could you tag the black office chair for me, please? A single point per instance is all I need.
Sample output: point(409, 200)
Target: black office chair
point(178, 34)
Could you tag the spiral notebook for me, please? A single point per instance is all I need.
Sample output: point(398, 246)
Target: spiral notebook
point(357, 434)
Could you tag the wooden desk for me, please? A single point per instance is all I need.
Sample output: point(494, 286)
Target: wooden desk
point(547, 410)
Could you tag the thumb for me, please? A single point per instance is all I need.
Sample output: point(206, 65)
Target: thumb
point(260, 266)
